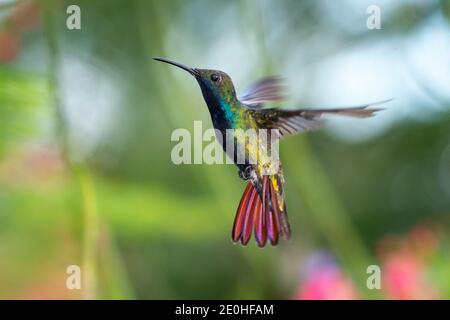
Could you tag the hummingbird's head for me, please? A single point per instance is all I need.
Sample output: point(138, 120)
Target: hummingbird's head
point(214, 83)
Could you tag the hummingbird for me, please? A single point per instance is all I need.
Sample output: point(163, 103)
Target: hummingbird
point(262, 208)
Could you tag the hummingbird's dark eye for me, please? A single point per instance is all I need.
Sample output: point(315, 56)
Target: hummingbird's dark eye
point(215, 77)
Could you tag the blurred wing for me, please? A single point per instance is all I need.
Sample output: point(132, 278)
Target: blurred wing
point(286, 121)
point(290, 122)
point(262, 91)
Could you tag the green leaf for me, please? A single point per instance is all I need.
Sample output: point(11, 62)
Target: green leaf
point(22, 95)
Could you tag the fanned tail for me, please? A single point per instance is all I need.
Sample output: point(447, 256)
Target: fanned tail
point(264, 212)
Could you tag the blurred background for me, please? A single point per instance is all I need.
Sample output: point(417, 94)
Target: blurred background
point(86, 177)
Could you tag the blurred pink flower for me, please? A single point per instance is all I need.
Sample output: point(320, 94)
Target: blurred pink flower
point(26, 17)
point(404, 277)
point(325, 281)
point(10, 46)
point(38, 164)
point(405, 261)
point(23, 18)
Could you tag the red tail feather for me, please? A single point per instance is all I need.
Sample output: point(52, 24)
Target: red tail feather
point(268, 219)
point(240, 214)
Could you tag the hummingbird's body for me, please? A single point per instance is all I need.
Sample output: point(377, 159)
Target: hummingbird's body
point(262, 206)
point(227, 112)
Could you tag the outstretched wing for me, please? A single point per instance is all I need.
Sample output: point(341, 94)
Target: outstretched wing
point(262, 91)
point(290, 122)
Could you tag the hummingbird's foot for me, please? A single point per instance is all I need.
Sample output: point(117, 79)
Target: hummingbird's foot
point(242, 175)
point(246, 173)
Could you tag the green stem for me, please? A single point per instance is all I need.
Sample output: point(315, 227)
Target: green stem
point(50, 27)
point(89, 215)
point(91, 232)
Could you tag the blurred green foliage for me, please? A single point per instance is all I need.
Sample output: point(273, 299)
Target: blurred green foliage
point(21, 96)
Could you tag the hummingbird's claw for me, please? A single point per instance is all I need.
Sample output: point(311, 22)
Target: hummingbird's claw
point(245, 174)
point(241, 175)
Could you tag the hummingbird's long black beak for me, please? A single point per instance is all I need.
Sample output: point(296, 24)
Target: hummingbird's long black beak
point(192, 71)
